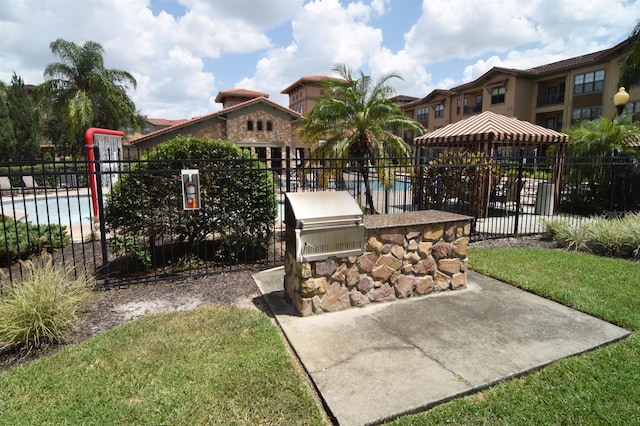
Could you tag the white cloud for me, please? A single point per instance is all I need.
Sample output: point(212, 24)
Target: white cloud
point(181, 55)
point(324, 33)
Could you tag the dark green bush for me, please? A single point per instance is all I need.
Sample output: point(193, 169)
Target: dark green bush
point(237, 199)
point(22, 240)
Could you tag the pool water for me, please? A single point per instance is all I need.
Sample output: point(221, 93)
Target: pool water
point(60, 210)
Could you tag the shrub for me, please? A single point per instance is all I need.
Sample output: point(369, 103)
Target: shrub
point(618, 237)
point(42, 306)
point(565, 233)
point(237, 201)
point(22, 240)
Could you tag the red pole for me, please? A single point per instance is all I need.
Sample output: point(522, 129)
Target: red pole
point(88, 143)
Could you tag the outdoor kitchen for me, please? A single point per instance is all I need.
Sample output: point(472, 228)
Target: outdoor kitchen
point(337, 258)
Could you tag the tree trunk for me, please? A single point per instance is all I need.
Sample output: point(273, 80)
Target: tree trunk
point(367, 191)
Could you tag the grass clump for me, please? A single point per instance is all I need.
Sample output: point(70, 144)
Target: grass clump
point(616, 237)
point(40, 308)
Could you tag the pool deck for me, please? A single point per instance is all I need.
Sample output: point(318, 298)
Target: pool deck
point(78, 232)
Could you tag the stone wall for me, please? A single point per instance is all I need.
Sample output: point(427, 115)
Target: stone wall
point(405, 255)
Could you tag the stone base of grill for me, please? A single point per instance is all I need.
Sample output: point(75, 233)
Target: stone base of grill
point(406, 255)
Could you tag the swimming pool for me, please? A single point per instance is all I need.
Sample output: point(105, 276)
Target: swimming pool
point(54, 210)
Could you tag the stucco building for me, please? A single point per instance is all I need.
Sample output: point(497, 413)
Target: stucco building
point(554, 95)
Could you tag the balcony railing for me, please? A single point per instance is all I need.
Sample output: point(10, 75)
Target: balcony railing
point(550, 100)
point(470, 110)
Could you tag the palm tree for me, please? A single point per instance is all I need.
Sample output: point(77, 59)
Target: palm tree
point(356, 119)
point(84, 92)
point(602, 136)
point(630, 69)
point(597, 143)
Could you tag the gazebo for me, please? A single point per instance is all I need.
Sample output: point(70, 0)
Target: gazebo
point(487, 131)
point(495, 136)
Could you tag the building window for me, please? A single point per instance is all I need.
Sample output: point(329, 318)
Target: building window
point(633, 107)
point(422, 114)
point(146, 131)
point(585, 114)
point(260, 128)
point(250, 125)
point(458, 106)
point(438, 111)
point(497, 95)
point(269, 126)
point(588, 82)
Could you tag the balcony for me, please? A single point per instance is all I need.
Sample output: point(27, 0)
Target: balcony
point(470, 110)
point(546, 100)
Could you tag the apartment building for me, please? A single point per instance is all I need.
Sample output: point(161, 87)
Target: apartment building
point(304, 93)
point(554, 95)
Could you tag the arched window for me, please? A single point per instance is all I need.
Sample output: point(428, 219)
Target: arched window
point(269, 126)
point(260, 125)
point(249, 125)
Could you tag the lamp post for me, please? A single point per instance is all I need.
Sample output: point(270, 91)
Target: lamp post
point(620, 100)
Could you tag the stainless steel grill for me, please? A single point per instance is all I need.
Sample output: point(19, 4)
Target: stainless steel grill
point(323, 224)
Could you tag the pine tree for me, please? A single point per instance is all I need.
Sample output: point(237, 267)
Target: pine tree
point(7, 135)
point(24, 117)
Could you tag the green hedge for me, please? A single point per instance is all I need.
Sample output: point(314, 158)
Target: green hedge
point(24, 239)
point(237, 198)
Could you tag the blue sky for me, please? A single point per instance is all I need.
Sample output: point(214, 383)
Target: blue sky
point(183, 52)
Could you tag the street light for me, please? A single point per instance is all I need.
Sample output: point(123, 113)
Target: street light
point(620, 100)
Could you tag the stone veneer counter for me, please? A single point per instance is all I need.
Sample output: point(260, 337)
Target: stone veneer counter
point(423, 217)
point(405, 255)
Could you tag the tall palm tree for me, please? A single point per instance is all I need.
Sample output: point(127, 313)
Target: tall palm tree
point(356, 119)
point(84, 92)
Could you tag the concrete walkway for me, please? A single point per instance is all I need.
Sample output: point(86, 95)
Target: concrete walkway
point(379, 362)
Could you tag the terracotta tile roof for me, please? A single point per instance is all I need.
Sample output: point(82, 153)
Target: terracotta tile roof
point(239, 93)
point(224, 111)
point(307, 79)
point(489, 126)
point(434, 96)
point(578, 60)
point(403, 99)
point(165, 122)
point(553, 67)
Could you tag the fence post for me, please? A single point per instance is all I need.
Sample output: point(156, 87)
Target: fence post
point(612, 182)
point(421, 167)
point(287, 167)
point(439, 190)
point(103, 229)
point(518, 191)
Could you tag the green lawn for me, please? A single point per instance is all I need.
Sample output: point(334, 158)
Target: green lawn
point(601, 387)
point(225, 365)
point(213, 365)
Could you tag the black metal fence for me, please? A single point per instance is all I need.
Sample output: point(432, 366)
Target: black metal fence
point(47, 204)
